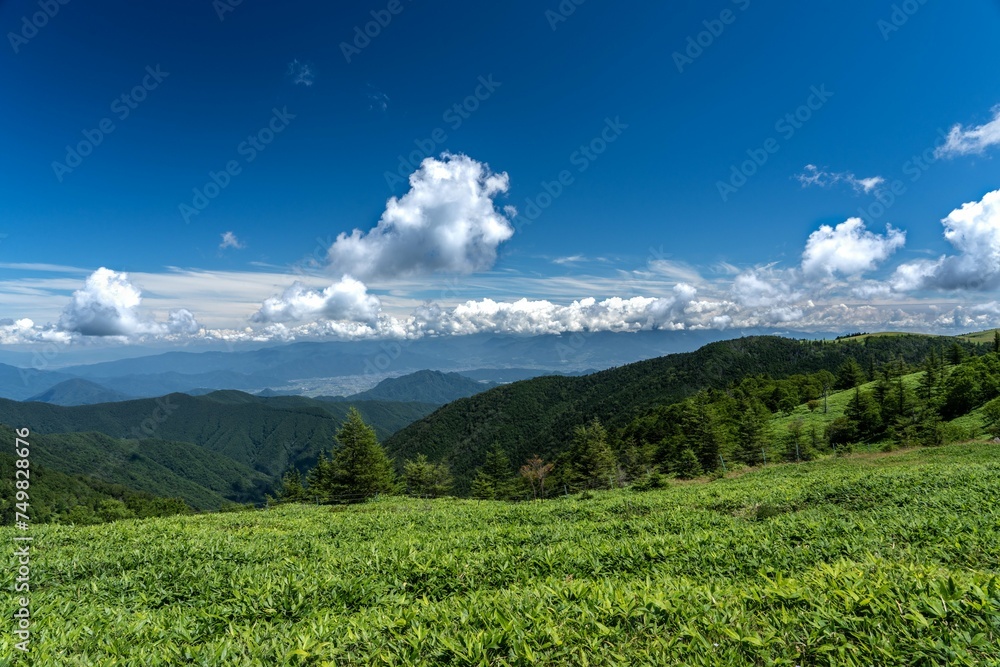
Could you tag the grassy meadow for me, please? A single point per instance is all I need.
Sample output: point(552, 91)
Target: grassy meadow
point(883, 559)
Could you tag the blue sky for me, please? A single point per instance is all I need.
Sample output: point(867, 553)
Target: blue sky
point(647, 113)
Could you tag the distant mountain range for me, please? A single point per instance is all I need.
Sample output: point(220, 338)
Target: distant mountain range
point(284, 368)
point(425, 386)
point(78, 391)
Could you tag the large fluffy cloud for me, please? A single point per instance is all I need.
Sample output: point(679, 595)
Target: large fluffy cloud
point(848, 249)
point(447, 222)
point(108, 305)
point(544, 317)
point(972, 140)
point(765, 296)
point(347, 300)
point(974, 231)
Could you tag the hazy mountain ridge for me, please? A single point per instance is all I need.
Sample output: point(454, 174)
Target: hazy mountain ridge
point(425, 386)
point(78, 391)
point(280, 367)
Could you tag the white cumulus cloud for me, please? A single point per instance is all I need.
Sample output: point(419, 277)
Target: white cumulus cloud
point(536, 317)
point(447, 222)
point(848, 249)
point(971, 140)
point(108, 305)
point(974, 231)
point(347, 299)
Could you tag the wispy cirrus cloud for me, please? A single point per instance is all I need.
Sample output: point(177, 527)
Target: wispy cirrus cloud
point(301, 73)
point(813, 175)
point(229, 240)
point(971, 140)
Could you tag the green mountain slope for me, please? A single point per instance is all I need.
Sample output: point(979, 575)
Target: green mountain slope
point(202, 478)
point(539, 415)
point(264, 434)
point(53, 494)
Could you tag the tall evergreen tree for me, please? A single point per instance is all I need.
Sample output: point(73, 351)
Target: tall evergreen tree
point(495, 478)
point(864, 412)
point(291, 489)
point(996, 341)
point(593, 462)
point(319, 479)
point(850, 375)
point(701, 431)
point(752, 430)
point(956, 354)
point(360, 468)
point(931, 378)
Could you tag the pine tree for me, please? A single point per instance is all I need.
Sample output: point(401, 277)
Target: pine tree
point(752, 427)
point(291, 489)
point(864, 413)
point(956, 354)
point(850, 375)
point(701, 431)
point(930, 379)
point(482, 487)
point(495, 478)
point(688, 466)
point(425, 479)
point(996, 341)
point(593, 462)
point(319, 479)
point(360, 468)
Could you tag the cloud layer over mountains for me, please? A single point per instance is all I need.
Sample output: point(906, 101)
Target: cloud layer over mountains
point(451, 223)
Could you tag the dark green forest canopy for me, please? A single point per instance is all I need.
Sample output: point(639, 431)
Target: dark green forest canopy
point(538, 416)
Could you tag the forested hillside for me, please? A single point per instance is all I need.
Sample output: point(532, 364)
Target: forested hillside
point(205, 451)
point(265, 434)
point(77, 498)
point(539, 416)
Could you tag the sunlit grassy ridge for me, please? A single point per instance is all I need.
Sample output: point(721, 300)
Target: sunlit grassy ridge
point(979, 336)
point(887, 560)
point(967, 426)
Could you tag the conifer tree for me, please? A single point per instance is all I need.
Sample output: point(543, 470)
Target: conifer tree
point(425, 479)
point(291, 489)
point(593, 462)
point(688, 466)
point(360, 468)
point(864, 412)
point(752, 427)
point(850, 375)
